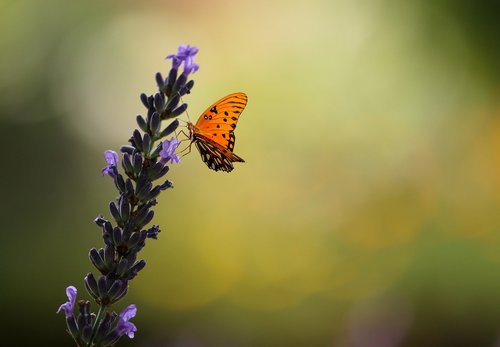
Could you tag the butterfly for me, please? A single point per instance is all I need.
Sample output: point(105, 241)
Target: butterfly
point(213, 133)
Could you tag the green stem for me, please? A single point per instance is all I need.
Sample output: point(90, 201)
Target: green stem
point(97, 322)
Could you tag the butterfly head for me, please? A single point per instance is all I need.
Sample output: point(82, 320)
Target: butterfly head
point(191, 129)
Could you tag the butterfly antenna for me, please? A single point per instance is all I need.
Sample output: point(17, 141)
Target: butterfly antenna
point(187, 113)
point(183, 121)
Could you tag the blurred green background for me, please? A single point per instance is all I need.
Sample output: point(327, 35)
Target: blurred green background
point(366, 214)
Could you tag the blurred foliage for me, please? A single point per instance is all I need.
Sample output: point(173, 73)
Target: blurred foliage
point(366, 213)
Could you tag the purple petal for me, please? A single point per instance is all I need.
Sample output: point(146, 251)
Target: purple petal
point(128, 313)
point(185, 54)
point(176, 61)
point(67, 307)
point(168, 151)
point(124, 327)
point(111, 159)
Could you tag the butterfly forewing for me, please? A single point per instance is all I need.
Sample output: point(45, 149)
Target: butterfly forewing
point(220, 119)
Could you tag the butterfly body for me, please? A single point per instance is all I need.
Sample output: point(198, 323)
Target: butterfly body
point(213, 133)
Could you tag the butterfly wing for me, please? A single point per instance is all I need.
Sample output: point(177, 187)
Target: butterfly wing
point(219, 120)
point(215, 156)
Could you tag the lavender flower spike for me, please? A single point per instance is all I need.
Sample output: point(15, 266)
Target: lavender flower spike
point(144, 160)
point(112, 160)
point(67, 307)
point(124, 327)
point(185, 54)
point(168, 151)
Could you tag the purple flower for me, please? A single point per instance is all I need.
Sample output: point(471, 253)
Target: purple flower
point(124, 327)
point(67, 307)
point(168, 151)
point(112, 160)
point(185, 54)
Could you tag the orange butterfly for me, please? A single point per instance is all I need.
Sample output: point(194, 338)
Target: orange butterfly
point(213, 133)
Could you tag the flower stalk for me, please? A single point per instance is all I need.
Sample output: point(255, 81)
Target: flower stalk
point(144, 161)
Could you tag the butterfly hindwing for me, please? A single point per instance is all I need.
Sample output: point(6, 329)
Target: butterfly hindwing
point(214, 156)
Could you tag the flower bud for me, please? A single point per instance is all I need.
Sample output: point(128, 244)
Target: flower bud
point(104, 329)
point(109, 257)
point(108, 227)
point(159, 80)
point(102, 288)
point(181, 81)
point(153, 193)
point(172, 103)
point(170, 128)
point(72, 327)
point(84, 318)
point(134, 270)
point(153, 232)
point(141, 123)
point(114, 212)
point(172, 76)
point(91, 285)
point(129, 187)
point(127, 149)
point(117, 236)
point(155, 123)
point(159, 102)
point(168, 184)
point(179, 110)
point(156, 171)
point(116, 289)
point(144, 99)
point(156, 151)
point(120, 183)
point(140, 216)
point(122, 267)
point(137, 140)
point(186, 89)
point(146, 143)
point(124, 207)
point(137, 164)
point(127, 164)
point(148, 218)
point(97, 261)
point(144, 192)
point(100, 220)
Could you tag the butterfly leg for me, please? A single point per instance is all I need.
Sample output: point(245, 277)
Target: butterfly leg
point(183, 133)
point(188, 149)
